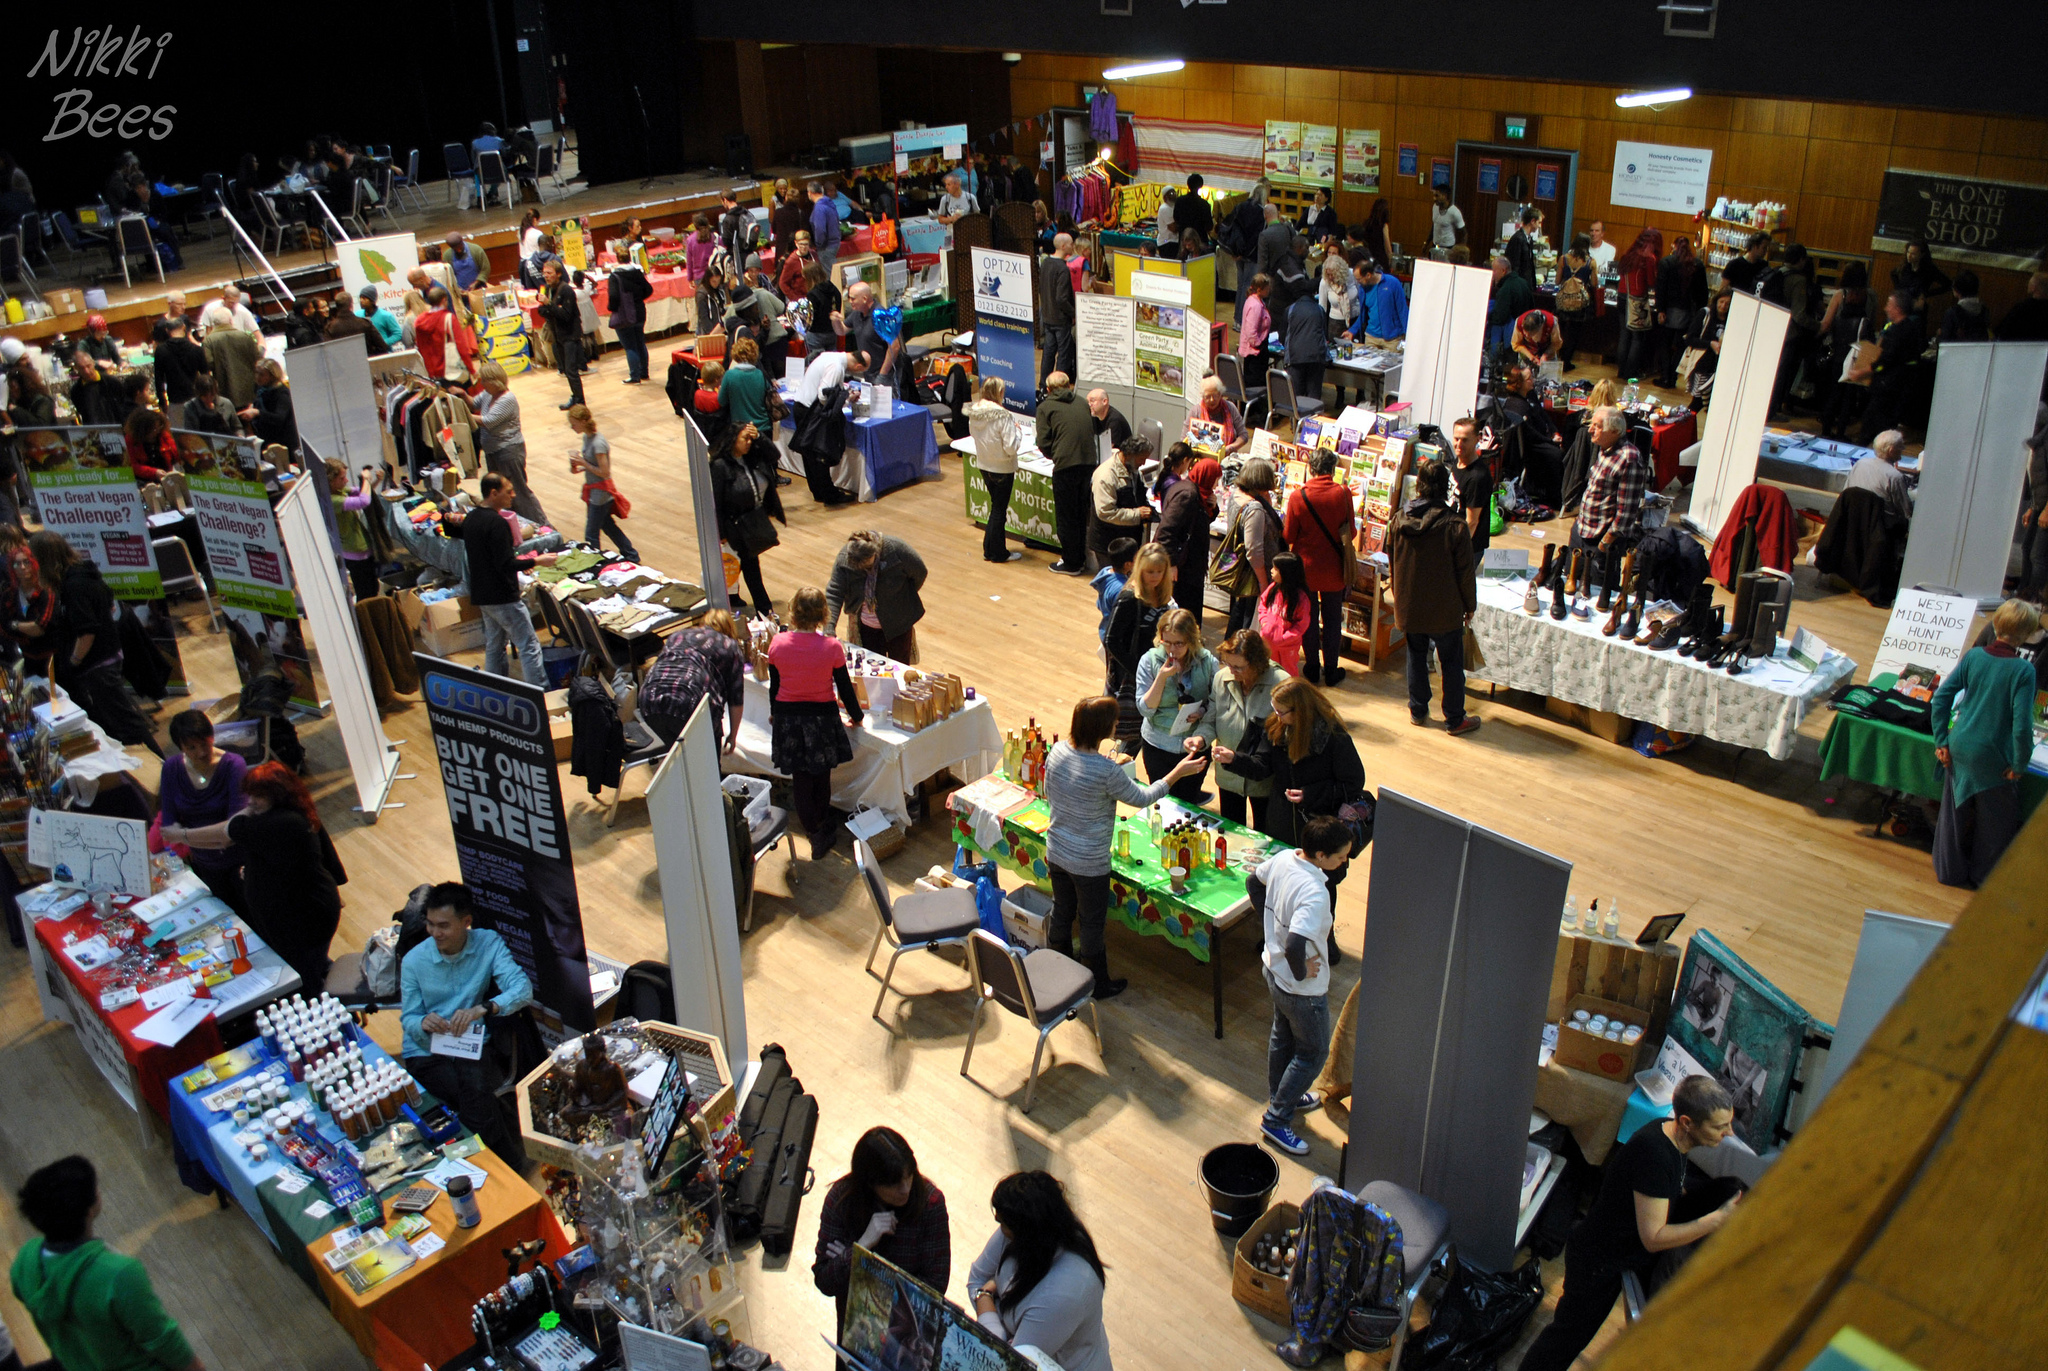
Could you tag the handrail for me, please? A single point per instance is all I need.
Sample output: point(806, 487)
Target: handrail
point(277, 285)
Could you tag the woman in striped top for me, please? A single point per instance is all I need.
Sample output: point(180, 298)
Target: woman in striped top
point(1082, 788)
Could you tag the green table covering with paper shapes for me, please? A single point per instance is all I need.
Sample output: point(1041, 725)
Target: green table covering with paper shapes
point(1140, 895)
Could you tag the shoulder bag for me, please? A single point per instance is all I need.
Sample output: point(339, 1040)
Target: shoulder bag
point(1230, 566)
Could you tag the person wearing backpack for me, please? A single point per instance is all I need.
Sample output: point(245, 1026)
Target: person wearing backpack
point(1578, 287)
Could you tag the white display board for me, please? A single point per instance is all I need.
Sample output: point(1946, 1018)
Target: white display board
point(1195, 345)
point(1737, 409)
point(91, 851)
point(1655, 176)
point(1105, 340)
point(1889, 955)
point(1446, 342)
point(1972, 466)
point(687, 812)
point(710, 552)
point(1002, 284)
point(1926, 629)
point(334, 401)
point(382, 262)
point(330, 613)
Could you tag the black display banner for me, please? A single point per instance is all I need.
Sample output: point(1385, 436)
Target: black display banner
point(1964, 218)
point(511, 842)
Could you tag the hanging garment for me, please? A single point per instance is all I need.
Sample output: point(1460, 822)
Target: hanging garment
point(1102, 116)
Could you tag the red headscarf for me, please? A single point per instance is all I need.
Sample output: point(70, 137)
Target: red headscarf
point(1205, 474)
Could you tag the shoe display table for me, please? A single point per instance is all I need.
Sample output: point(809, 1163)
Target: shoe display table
point(1194, 919)
point(1567, 659)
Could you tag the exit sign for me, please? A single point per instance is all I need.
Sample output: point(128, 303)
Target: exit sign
point(1515, 128)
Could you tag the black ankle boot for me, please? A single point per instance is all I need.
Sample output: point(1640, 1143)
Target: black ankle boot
point(1106, 988)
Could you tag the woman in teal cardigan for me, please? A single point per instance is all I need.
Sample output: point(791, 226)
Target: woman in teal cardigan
point(1985, 747)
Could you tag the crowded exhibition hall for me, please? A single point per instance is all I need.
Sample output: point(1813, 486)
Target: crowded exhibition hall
point(1377, 700)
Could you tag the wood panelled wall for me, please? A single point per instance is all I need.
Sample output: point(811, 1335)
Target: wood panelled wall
point(1824, 162)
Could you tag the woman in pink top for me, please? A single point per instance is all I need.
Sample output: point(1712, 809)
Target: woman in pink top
point(1251, 333)
point(807, 682)
point(697, 248)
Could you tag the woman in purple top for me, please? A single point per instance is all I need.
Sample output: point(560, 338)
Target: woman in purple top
point(203, 786)
point(697, 248)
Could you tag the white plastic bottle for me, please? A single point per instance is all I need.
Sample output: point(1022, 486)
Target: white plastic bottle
point(1611, 925)
point(1570, 922)
point(1589, 921)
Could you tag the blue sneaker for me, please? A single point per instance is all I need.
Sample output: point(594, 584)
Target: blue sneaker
point(1284, 1138)
point(1309, 1100)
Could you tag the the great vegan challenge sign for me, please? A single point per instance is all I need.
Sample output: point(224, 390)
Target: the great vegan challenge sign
point(1969, 219)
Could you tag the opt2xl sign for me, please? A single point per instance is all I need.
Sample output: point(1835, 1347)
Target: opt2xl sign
point(504, 794)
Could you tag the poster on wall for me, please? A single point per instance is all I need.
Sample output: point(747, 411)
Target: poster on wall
point(504, 792)
point(1105, 337)
point(1546, 180)
point(1362, 160)
point(1439, 173)
point(1283, 151)
point(1318, 155)
point(1971, 219)
point(1160, 346)
point(1489, 176)
point(1408, 159)
point(99, 511)
point(575, 244)
point(1654, 176)
point(1737, 1027)
point(382, 262)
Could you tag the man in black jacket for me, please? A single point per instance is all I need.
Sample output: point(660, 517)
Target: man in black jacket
point(1435, 593)
point(1521, 246)
point(1056, 311)
point(1191, 211)
point(1899, 346)
point(494, 569)
point(564, 318)
point(179, 361)
point(1239, 235)
point(1306, 330)
point(1066, 434)
point(1111, 428)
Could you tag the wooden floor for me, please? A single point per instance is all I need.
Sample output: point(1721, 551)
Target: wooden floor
point(1756, 850)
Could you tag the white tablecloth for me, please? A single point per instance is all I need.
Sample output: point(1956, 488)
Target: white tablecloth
point(887, 762)
point(1568, 660)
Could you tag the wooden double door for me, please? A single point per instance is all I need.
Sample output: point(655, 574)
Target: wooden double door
point(1521, 177)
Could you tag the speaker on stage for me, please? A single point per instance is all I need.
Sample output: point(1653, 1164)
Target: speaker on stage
point(739, 155)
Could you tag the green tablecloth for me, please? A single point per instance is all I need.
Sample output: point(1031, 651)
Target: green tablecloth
point(1031, 508)
point(929, 317)
point(1129, 242)
point(1140, 895)
point(1891, 757)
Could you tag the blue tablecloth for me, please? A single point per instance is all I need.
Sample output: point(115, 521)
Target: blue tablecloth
point(207, 1138)
point(892, 452)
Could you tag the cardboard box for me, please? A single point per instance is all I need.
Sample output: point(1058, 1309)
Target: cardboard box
point(64, 301)
point(1263, 1294)
point(560, 727)
point(1601, 723)
point(1619, 970)
point(1026, 912)
point(1595, 1055)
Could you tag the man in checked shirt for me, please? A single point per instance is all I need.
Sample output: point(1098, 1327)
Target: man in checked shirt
point(1611, 512)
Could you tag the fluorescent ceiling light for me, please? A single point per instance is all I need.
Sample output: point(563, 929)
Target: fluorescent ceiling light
point(1647, 97)
point(1143, 69)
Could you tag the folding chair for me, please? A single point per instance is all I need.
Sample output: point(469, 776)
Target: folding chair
point(1283, 401)
point(32, 240)
point(491, 178)
point(541, 178)
point(1230, 371)
point(409, 181)
point(387, 186)
point(551, 615)
point(14, 268)
point(269, 227)
point(460, 168)
point(357, 203)
point(211, 208)
point(76, 242)
point(561, 156)
point(131, 235)
point(589, 635)
point(174, 567)
point(921, 921)
point(1044, 989)
point(1426, 1248)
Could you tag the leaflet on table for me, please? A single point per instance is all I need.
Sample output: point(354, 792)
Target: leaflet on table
point(168, 1027)
point(467, 1046)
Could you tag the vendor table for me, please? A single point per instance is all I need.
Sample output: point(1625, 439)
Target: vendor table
point(1140, 895)
point(137, 1068)
point(1667, 441)
point(1372, 379)
point(929, 316)
point(673, 304)
point(887, 761)
point(1901, 760)
point(1031, 514)
point(421, 1315)
point(881, 454)
point(1567, 659)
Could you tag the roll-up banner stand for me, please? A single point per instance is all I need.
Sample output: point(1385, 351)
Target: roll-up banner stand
point(687, 811)
point(372, 757)
point(1737, 409)
point(504, 792)
point(253, 578)
point(710, 552)
point(1446, 342)
point(1003, 325)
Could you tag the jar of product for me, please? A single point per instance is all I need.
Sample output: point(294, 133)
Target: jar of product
point(1632, 1034)
point(1581, 1017)
point(467, 1214)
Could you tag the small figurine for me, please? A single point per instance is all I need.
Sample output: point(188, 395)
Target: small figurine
point(598, 1086)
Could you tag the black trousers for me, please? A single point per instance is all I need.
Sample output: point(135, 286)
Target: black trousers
point(901, 648)
point(750, 572)
point(1591, 1286)
point(1070, 501)
point(1572, 333)
point(569, 360)
point(462, 1087)
point(811, 792)
point(995, 538)
point(1244, 613)
point(818, 476)
point(1079, 903)
point(362, 577)
point(1308, 381)
point(633, 342)
point(1324, 641)
point(1231, 805)
point(104, 694)
point(1159, 761)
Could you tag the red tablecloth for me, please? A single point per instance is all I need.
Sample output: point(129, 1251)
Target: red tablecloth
point(1666, 442)
point(153, 1065)
point(668, 285)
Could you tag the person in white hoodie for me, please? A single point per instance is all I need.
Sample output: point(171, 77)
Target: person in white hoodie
point(1291, 891)
point(997, 444)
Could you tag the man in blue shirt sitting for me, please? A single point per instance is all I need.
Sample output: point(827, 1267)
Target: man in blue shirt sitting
point(1383, 305)
point(445, 987)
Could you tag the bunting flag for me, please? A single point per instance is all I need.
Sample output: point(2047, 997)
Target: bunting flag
point(1227, 156)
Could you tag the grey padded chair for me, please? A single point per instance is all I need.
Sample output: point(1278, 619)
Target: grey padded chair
point(1045, 989)
point(1426, 1248)
point(921, 921)
point(1230, 371)
point(1281, 399)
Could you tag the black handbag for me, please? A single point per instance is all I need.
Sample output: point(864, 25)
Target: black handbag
point(1357, 814)
point(1367, 1328)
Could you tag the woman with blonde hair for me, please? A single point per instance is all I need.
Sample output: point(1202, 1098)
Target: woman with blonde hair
point(1984, 746)
point(702, 662)
point(1305, 752)
point(270, 417)
point(414, 305)
point(603, 506)
point(743, 394)
point(997, 445)
point(348, 521)
point(807, 683)
point(1173, 676)
point(1132, 623)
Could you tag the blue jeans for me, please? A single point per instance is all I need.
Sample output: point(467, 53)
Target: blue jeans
point(1450, 656)
point(633, 339)
point(503, 622)
point(1295, 1052)
point(600, 517)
